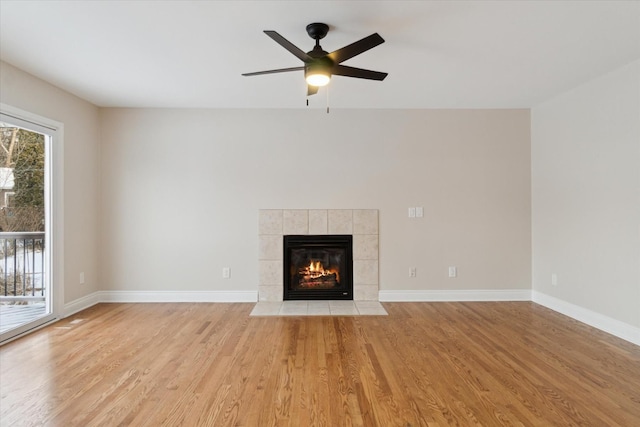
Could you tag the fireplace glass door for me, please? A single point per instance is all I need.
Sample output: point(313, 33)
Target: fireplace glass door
point(318, 267)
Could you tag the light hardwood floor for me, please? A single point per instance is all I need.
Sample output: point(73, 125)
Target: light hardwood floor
point(426, 364)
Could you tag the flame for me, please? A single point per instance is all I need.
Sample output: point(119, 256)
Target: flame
point(316, 269)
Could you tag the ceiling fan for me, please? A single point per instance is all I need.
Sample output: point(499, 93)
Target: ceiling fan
point(320, 65)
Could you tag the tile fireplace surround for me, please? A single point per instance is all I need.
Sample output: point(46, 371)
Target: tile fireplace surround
point(361, 223)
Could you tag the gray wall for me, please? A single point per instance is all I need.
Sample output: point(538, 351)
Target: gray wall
point(181, 190)
point(586, 195)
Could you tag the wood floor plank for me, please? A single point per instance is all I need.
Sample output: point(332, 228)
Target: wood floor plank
point(425, 364)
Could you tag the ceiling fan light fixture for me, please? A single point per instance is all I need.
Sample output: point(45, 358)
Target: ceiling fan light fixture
point(317, 75)
point(318, 79)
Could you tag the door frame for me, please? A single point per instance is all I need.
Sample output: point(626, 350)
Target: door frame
point(54, 212)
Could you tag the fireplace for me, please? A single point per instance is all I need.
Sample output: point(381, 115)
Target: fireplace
point(362, 224)
point(318, 267)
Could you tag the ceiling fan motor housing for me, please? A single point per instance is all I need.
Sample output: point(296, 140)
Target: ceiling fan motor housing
point(320, 65)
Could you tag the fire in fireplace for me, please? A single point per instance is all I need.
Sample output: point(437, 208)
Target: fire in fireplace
point(318, 267)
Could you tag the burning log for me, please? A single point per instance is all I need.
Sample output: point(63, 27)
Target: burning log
point(315, 276)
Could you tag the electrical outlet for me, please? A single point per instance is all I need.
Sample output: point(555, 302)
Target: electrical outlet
point(82, 278)
point(412, 212)
point(453, 271)
point(554, 279)
point(412, 272)
point(226, 273)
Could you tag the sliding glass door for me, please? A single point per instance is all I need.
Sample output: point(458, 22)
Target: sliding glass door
point(26, 288)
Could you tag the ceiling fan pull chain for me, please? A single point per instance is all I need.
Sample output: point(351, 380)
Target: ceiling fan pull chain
point(327, 99)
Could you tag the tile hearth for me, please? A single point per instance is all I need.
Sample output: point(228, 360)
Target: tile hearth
point(318, 308)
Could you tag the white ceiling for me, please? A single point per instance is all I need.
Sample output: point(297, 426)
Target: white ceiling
point(439, 54)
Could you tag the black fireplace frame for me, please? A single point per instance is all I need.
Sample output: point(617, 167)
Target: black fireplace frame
point(342, 241)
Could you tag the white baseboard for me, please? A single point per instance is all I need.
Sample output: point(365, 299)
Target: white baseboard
point(179, 296)
point(81, 304)
point(157, 296)
point(604, 323)
point(455, 295)
point(252, 296)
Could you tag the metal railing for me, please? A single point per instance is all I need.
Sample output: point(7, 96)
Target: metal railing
point(22, 266)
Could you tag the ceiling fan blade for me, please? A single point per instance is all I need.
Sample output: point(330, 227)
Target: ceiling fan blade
point(343, 70)
point(280, 70)
point(312, 90)
point(356, 48)
point(299, 53)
